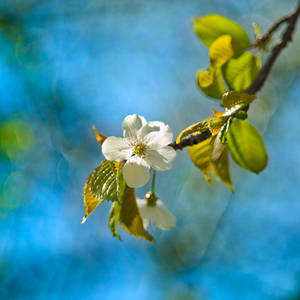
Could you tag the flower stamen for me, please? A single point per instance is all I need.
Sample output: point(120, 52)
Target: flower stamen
point(140, 150)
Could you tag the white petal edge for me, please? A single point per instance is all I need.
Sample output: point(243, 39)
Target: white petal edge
point(156, 133)
point(160, 159)
point(136, 172)
point(145, 211)
point(162, 217)
point(131, 124)
point(116, 149)
point(157, 214)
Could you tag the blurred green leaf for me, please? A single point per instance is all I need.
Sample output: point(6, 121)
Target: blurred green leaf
point(220, 51)
point(246, 146)
point(130, 217)
point(16, 138)
point(102, 184)
point(233, 98)
point(211, 83)
point(240, 72)
point(212, 26)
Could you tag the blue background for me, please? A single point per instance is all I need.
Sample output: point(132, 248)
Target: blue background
point(66, 65)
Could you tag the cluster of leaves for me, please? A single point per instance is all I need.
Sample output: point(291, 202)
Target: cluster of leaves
point(231, 71)
point(106, 182)
point(231, 66)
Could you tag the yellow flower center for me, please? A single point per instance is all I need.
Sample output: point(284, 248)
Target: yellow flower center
point(140, 149)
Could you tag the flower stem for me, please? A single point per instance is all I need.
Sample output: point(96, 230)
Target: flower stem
point(153, 181)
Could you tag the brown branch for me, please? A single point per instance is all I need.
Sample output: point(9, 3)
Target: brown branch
point(257, 84)
point(286, 38)
point(191, 140)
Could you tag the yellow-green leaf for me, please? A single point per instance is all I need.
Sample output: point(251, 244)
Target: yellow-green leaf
point(89, 200)
point(212, 26)
point(102, 184)
point(233, 98)
point(240, 72)
point(200, 155)
point(206, 157)
point(220, 51)
point(246, 146)
point(205, 78)
point(220, 168)
point(211, 83)
point(130, 217)
point(99, 137)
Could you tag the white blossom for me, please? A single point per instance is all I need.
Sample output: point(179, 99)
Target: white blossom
point(156, 213)
point(144, 146)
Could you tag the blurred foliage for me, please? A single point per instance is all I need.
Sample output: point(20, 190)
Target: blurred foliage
point(182, 293)
point(16, 138)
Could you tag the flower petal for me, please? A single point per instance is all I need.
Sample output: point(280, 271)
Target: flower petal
point(136, 172)
point(145, 211)
point(116, 149)
point(162, 217)
point(131, 124)
point(156, 133)
point(146, 223)
point(160, 159)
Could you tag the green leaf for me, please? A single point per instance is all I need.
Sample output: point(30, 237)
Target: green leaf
point(104, 180)
point(246, 146)
point(220, 51)
point(211, 83)
point(130, 217)
point(102, 184)
point(113, 219)
point(206, 157)
point(210, 27)
point(240, 72)
point(233, 98)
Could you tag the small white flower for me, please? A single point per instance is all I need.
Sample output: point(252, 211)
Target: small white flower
point(156, 213)
point(144, 146)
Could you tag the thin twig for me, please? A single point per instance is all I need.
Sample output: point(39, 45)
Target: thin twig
point(286, 38)
point(264, 38)
point(257, 84)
